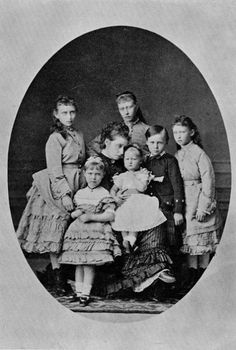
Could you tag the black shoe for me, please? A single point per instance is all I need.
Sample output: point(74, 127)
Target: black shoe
point(84, 300)
point(75, 299)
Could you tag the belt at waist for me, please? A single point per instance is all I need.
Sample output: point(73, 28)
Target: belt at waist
point(191, 182)
point(71, 166)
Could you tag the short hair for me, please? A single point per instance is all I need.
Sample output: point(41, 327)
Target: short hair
point(113, 129)
point(157, 129)
point(126, 95)
point(134, 146)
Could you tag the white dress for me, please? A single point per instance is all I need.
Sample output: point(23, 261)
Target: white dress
point(140, 212)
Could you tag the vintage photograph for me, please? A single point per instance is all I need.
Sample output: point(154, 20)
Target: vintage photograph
point(119, 173)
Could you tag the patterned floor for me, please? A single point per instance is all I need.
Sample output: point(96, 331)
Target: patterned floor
point(101, 305)
point(118, 305)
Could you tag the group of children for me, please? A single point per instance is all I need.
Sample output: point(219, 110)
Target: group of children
point(157, 188)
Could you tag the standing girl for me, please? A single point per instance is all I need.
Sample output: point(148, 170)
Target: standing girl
point(46, 215)
point(202, 217)
point(89, 240)
point(139, 212)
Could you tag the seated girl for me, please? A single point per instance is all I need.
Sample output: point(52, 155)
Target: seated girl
point(138, 212)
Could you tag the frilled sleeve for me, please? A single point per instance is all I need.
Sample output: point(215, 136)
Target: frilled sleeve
point(118, 180)
point(54, 148)
point(207, 195)
point(177, 184)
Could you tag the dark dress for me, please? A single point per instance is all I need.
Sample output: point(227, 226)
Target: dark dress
point(138, 270)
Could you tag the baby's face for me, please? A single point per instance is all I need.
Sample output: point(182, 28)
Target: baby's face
point(156, 144)
point(132, 159)
point(93, 177)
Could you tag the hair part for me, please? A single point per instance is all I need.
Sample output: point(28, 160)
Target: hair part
point(135, 147)
point(183, 120)
point(125, 96)
point(95, 165)
point(156, 130)
point(112, 130)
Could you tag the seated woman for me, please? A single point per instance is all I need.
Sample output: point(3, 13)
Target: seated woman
point(150, 261)
point(132, 117)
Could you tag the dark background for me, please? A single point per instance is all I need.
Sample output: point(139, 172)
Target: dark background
point(93, 68)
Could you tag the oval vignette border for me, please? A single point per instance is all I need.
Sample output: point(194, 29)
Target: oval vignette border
point(225, 248)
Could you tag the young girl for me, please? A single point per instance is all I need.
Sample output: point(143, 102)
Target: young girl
point(139, 212)
point(202, 217)
point(46, 215)
point(89, 240)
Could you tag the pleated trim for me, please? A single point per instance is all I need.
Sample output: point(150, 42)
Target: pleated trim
point(41, 248)
point(136, 270)
point(198, 250)
point(87, 245)
point(86, 258)
point(33, 228)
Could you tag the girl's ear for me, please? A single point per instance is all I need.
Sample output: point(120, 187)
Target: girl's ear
point(192, 132)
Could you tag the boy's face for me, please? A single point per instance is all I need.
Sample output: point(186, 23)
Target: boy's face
point(132, 159)
point(156, 144)
point(93, 177)
point(127, 110)
point(66, 114)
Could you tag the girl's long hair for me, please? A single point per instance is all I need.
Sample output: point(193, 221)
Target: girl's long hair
point(183, 120)
point(57, 126)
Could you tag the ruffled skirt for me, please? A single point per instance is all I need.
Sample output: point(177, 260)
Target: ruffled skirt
point(201, 243)
point(41, 229)
point(140, 267)
point(91, 243)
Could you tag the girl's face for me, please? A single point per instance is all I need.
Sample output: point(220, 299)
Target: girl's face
point(115, 148)
point(93, 176)
point(132, 159)
point(127, 110)
point(156, 144)
point(66, 114)
point(182, 134)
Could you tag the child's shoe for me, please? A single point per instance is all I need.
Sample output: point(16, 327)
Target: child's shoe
point(84, 300)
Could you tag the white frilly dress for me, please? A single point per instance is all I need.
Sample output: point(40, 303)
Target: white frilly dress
point(140, 212)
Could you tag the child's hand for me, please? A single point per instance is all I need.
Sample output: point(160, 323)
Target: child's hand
point(178, 218)
point(76, 213)
point(67, 203)
point(121, 196)
point(85, 217)
point(200, 216)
